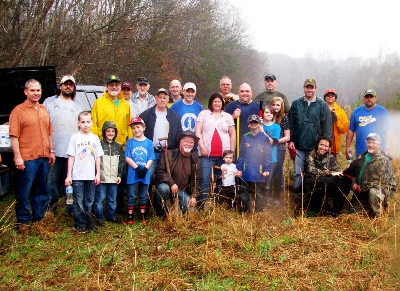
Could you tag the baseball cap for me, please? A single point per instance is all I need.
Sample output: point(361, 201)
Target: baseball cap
point(136, 120)
point(269, 76)
point(370, 92)
point(142, 80)
point(162, 90)
point(113, 78)
point(374, 136)
point(253, 117)
point(310, 81)
point(67, 78)
point(126, 85)
point(189, 86)
point(330, 91)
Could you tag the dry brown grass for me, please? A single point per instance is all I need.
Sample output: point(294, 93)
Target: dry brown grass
point(215, 249)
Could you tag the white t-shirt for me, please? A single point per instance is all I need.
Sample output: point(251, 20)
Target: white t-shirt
point(228, 174)
point(85, 148)
point(161, 128)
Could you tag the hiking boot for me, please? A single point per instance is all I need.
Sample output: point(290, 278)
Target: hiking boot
point(23, 228)
point(115, 220)
point(92, 228)
point(81, 230)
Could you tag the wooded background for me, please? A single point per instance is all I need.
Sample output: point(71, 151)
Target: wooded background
point(189, 40)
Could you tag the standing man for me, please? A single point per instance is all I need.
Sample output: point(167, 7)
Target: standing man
point(141, 100)
point(126, 89)
point(161, 122)
point(271, 92)
point(340, 122)
point(187, 108)
point(244, 107)
point(64, 111)
point(368, 118)
point(175, 95)
point(112, 106)
point(309, 119)
point(225, 84)
point(32, 145)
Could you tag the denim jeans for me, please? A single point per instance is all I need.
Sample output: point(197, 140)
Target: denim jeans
point(106, 191)
point(255, 190)
point(136, 190)
point(35, 172)
point(83, 202)
point(164, 193)
point(207, 164)
point(299, 167)
point(57, 171)
point(268, 179)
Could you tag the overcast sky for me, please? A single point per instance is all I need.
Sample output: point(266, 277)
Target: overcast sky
point(341, 28)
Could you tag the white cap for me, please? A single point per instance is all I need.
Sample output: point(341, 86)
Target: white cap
point(189, 86)
point(67, 78)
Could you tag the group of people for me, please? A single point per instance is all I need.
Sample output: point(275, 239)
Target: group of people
point(132, 142)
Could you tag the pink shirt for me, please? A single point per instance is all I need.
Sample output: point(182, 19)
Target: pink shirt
point(221, 124)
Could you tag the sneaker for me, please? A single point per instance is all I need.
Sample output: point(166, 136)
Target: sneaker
point(81, 230)
point(23, 228)
point(115, 220)
point(92, 228)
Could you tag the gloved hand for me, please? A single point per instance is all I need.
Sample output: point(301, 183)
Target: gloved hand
point(141, 171)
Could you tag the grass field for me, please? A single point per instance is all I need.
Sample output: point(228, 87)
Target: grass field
point(215, 249)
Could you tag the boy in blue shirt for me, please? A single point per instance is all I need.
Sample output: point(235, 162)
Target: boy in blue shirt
point(139, 154)
point(254, 162)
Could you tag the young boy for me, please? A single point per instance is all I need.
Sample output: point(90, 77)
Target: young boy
point(111, 168)
point(254, 161)
point(84, 152)
point(228, 190)
point(139, 154)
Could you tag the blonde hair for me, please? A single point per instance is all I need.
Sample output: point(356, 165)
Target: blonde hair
point(278, 115)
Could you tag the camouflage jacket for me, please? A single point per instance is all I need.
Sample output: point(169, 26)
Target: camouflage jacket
point(377, 174)
point(322, 165)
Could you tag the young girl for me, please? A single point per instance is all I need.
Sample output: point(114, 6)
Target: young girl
point(281, 119)
point(273, 132)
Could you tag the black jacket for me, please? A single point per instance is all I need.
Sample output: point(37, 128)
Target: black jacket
point(149, 117)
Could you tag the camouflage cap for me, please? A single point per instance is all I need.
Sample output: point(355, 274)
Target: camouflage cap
point(369, 92)
point(310, 81)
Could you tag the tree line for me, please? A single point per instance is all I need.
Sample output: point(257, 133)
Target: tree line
point(189, 40)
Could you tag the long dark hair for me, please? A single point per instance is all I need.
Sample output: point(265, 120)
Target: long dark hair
point(214, 96)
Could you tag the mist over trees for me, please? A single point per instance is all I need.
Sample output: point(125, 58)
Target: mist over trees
point(189, 40)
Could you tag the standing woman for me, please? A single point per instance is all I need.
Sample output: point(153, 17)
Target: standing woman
point(281, 119)
point(216, 131)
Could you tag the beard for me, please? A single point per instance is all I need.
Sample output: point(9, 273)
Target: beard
point(187, 149)
point(66, 94)
point(113, 93)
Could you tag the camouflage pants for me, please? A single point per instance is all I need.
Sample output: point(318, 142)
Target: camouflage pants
point(376, 201)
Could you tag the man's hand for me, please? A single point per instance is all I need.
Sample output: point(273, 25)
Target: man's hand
point(19, 164)
point(265, 174)
point(118, 180)
point(236, 113)
point(238, 173)
point(356, 188)
point(52, 159)
point(174, 190)
point(192, 202)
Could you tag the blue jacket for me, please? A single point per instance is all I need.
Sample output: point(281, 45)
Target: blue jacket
point(149, 117)
point(255, 157)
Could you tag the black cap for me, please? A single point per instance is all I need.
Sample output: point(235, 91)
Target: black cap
point(270, 76)
point(113, 78)
point(142, 80)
